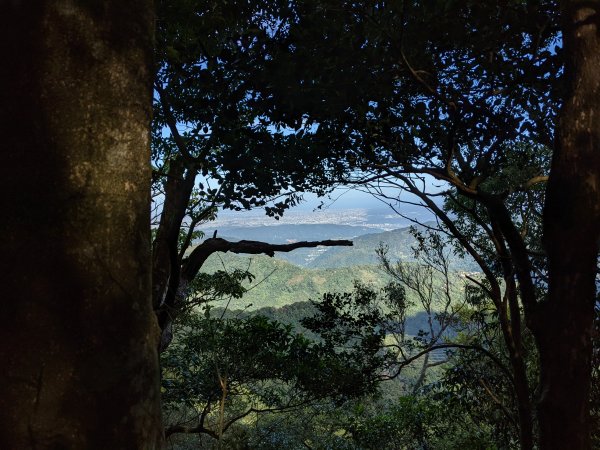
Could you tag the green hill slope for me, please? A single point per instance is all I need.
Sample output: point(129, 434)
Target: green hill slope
point(280, 283)
point(398, 241)
point(328, 269)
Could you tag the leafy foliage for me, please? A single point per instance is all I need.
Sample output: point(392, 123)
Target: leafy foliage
point(272, 98)
point(419, 422)
point(211, 58)
point(258, 365)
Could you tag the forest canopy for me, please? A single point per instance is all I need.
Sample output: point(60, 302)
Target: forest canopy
point(486, 113)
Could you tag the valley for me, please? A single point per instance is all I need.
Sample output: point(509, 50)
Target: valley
point(306, 274)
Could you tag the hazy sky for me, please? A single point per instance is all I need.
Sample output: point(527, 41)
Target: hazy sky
point(341, 199)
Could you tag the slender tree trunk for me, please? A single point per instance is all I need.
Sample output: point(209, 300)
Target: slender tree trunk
point(564, 324)
point(509, 313)
point(524, 407)
point(77, 333)
point(513, 336)
point(514, 344)
point(165, 254)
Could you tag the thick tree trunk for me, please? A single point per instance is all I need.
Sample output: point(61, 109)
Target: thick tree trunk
point(77, 334)
point(564, 324)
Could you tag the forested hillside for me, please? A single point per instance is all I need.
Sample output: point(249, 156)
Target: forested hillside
point(307, 274)
point(399, 244)
point(416, 320)
point(277, 282)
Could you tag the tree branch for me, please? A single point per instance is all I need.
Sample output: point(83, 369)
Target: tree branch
point(197, 429)
point(533, 181)
point(490, 355)
point(193, 263)
point(172, 124)
point(199, 255)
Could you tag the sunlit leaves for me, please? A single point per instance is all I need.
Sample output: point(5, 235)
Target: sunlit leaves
point(262, 360)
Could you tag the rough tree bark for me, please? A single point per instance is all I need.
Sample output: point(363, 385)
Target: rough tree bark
point(77, 334)
point(564, 323)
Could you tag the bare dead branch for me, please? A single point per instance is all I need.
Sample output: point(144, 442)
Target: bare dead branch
point(477, 348)
point(194, 262)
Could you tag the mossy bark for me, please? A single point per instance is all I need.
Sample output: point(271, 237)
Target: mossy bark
point(77, 334)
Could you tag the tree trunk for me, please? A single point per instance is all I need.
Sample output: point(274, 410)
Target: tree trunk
point(563, 325)
point(524, 407)
point(165, 254)
point(77, 333)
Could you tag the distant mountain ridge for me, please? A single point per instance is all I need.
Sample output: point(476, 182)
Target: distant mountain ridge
point(280, 234)
point(305, 274)
point(399, 242)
